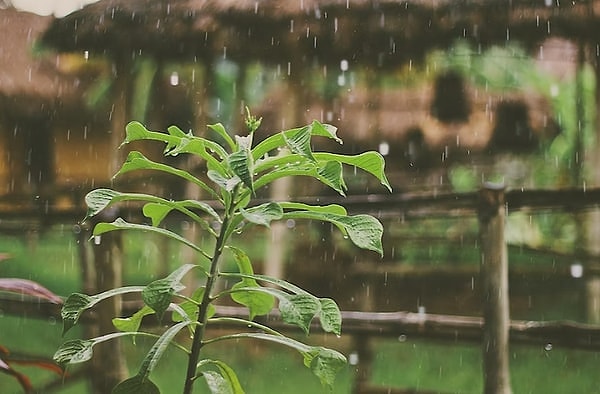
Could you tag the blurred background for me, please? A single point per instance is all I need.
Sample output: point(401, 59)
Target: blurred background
point(452, 94)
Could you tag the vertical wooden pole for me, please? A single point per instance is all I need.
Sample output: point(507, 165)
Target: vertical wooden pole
point(494, 279)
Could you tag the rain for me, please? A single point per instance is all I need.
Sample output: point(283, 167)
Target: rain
point(485, 115)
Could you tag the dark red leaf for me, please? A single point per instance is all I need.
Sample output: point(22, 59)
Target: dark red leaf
point(28, 287)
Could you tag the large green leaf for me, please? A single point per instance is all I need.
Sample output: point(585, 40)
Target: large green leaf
point(197, 145)
point(371, 162)
point(120, 224)
point(135, 131)
point(137, 161)
point(159, 347)
point(74, 351)
point(80, 350)
point(258, 303)
point(363, 230)
point(158, 294)
point(298, 142)
point(226, 373)
point(100, 199)
point(324, 363)
point(279, 140)
point(217, 384)
point(263, 214)
point(329, 173)
point(78, 303)
point(136, 385)
point(220, 130)
point(298, 309)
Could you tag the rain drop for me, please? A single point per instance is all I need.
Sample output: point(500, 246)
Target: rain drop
point(97, 239)
point(548, 347)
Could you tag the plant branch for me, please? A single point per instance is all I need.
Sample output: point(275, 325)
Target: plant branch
point(206, 298)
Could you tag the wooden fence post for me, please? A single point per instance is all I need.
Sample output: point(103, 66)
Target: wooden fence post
point(494, 281)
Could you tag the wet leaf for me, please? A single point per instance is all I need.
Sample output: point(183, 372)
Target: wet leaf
point(158, 294)
point(132, 324)
point(136, 385)
point(216, 383)
point(298, 142)
point(120, 224)
point(227, 374)
point(331, 174)
point(30, 288)
point(77, 303)
point(325, 364)
point(220, 130)
point(258, 303)
point(241, 165)
point(330, 316)
point(137, 161)
point(298, 309)
point(263, 214)
point(364, 231)
point(371, 162)
point(74, 351)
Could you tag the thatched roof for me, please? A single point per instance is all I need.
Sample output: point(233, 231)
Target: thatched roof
point(168, 29)
point(380, 33)
point(30, 83)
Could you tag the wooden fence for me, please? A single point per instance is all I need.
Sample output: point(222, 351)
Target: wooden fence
point(493, 330)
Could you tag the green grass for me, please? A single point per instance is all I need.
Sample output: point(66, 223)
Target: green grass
point(51, 258)
point(456, 368)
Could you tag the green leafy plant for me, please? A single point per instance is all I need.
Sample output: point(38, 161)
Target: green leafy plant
point(238, 168)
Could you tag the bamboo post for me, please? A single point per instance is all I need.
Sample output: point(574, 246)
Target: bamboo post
point(494, 279)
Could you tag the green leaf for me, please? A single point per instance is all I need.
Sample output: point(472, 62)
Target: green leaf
point(135, 131)
point(137, 161)
point(217, 384)
point(227, 183)
point(263, 214)
point(197, 145)
point(220, 130)
point(158, 294)
point(278, 140)
point(132, 323)
point(74, 351)
point(258, 303)
point(363, 230)
point(226, 373)
point(159, 347)
point(120, 224)
point(241, 163)
point(299, 142)
point(136, 385)
point(298, 309)
point(325, 130)
point(331, 208)
point(80, 350)
point(99, 199)
point(330, 316)
point(325, 364)
point(371, 162)
point(331, 174)
point(156, 212)
point(78, 303)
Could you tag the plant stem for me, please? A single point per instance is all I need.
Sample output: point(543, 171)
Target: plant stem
point(206, 298)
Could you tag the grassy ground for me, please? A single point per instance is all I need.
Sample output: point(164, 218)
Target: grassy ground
point(51, 259)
